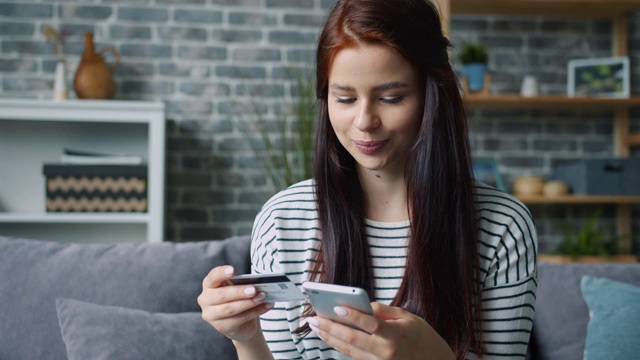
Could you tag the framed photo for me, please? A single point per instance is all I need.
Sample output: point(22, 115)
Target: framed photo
point(486, 170)
point(602, 77)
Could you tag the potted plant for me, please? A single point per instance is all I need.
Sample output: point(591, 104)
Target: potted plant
point(284, 146)
point(588, 243)
point(474, 58)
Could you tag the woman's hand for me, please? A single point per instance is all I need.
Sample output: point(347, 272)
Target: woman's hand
point(392, 334)
point(232, 310)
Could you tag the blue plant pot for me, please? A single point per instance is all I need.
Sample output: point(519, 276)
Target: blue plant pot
point(475, 75)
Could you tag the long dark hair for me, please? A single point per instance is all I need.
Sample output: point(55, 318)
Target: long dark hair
point(439, 282)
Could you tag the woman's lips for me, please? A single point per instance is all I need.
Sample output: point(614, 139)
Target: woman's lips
point(369, 147)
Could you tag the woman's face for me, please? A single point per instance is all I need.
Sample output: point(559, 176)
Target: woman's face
point(374, 106)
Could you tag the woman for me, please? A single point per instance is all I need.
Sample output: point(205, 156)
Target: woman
point(392, 208)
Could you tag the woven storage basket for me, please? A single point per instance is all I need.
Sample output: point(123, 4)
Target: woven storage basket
point(96, 188)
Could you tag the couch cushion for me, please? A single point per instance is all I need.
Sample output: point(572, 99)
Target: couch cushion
point(161, 277)
point(560, 324)
point(614, 316)
point(97, 332)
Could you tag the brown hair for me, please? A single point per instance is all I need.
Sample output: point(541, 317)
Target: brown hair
point(439, 282)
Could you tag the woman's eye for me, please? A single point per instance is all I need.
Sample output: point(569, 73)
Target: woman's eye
point(345, 100)
point(392, 100)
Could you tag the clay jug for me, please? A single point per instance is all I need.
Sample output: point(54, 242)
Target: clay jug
point(94, 77)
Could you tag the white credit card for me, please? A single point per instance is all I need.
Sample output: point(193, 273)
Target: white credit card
point(276, 286)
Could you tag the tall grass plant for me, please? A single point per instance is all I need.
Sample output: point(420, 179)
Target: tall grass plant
point(284, 145)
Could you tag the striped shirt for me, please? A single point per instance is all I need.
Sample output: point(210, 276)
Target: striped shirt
point(286, 236)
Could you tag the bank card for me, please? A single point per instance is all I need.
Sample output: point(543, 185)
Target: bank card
point(275, 286)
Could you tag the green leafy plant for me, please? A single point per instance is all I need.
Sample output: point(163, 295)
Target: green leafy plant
point(471, 53)
point(588, 239)
point(285, 146)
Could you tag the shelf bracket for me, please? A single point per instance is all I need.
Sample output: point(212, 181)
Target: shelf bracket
point(444, 6)
point(621, 133)
point(623, 229)
point(620, 36)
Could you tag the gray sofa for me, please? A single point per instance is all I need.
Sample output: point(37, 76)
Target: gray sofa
point(110, 301)
point(560, 324)
point(138, 301)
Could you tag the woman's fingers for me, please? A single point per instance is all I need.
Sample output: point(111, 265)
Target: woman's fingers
point(216, 290)
point(393, 333)
point(354, 343)
point(355, 334)
point(372, 324)
point(381, 336)
point(218, 276)
point(230, 295)
point(385, 312)
point(230, 320)
point(221, 295)
point(231, 325)
point(232, 310)
point(365, 322)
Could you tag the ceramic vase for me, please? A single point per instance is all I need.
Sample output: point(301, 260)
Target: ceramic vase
point(529, 87)
point(94, 77)
point(60, 89)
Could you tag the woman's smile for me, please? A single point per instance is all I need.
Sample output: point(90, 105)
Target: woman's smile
point(369, 147)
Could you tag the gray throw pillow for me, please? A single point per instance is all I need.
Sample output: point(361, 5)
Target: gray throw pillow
point(99, 332)
point(560, 324)
point(156, 277)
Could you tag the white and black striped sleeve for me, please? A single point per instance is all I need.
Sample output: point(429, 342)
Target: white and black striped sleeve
point(508, 258)
point(283, 236)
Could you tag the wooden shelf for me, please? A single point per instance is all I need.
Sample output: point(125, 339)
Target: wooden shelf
point(515, 102)
point(580, 199)
point(548, 8)
point(618, 12)
point(565, 259)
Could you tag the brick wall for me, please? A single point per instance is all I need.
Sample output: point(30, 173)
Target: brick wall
point(207, 58)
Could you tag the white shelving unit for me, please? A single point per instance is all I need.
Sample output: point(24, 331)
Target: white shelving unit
point(34, 132)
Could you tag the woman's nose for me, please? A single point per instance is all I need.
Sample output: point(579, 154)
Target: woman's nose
point(367, 118)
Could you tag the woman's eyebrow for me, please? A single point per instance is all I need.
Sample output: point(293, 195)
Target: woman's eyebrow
point(340, 87)
point(391, 85)
point(381, 87)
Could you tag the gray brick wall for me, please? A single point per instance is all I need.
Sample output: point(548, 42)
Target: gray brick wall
point(208, 59)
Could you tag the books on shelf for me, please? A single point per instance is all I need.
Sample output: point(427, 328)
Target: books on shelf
point(73, 156)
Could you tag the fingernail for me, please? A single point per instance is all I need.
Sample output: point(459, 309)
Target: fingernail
point(313, 322)
point(340, 311)
point(250, 291)
point(269, 305)
point(228, 270)
point(259, 297)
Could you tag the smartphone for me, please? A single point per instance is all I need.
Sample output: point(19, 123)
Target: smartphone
point(324, 297)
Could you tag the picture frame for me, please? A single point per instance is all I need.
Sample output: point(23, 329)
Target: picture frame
point(600, 77)
point(486, 171)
